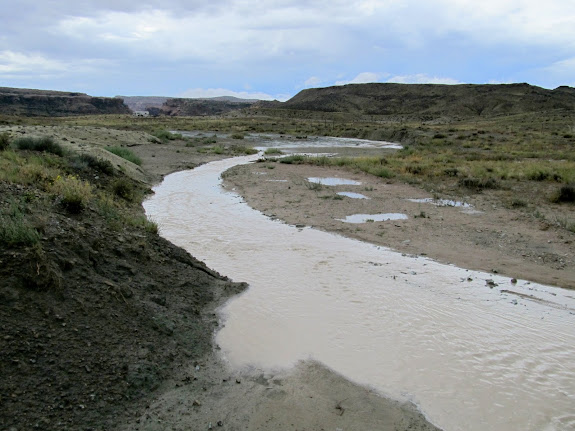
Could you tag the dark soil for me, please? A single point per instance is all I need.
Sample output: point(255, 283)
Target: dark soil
point(94, 318)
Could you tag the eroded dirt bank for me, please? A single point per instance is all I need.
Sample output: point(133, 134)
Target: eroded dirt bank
point(483, 234)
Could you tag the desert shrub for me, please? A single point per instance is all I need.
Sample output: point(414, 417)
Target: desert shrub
point(126, 154)
point(414, 169)
point(143, 222)
point(518, 203)
point(313, 185)
point(295, 159)
point(14, 168)
point(217, 149)
point(124, 189)
point(72, 193)
point(566, 194)
point(479, 183)
point(4, 141)
point(204, 140)
point(14, 228)
point(542, 175)
point(272, 151)
point(242, 149)
point(166, 135)
point(101, 165)
point(451, 172)
point(44, 144)
point(237, 136)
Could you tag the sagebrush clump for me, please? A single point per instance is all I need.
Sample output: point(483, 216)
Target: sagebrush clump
point(4, 141)
point(72, 193)
point(44, 144)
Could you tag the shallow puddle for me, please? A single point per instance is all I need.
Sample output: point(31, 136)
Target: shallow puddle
point(353, 195)
point(333, 181)
point(470, 356)
point(441, 202)
point(366, 218)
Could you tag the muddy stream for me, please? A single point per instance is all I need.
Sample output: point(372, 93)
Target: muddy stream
point(471, 356)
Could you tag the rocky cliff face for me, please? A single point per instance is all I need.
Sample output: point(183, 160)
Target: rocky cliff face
point(17, 101)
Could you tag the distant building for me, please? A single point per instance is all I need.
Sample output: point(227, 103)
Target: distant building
point(141, 114)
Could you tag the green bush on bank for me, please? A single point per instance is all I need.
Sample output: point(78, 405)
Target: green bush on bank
point(125, 154)
point(15, 229)
point(44, 144)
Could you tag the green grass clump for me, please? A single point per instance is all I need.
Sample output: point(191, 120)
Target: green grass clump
point(72, 193)
point(237, 136)
point(232, 150)
point(44, 144)
point(125, 154)
point(123, 188)
point(202, 140)
point(293, 160)
point(26, 170)
point(242, 149)
point(15, 229)
point(313, 185)
point(165, 135)
point(272, 151)
point(143, 222)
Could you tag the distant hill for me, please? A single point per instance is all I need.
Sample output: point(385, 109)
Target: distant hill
point(187, 106)
point(143, 103)
point(431, 100)
point(229, 99)
point(28, 102)
point(204, 107)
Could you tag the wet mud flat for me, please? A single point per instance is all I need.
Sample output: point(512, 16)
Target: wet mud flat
point(474, 231)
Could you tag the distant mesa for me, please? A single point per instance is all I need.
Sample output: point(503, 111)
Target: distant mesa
point(28, 102)
point(400, 101)
point(156, 105)
point(429, 101)
point(393, 101)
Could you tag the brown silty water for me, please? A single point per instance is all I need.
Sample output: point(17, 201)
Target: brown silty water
point(471, 357)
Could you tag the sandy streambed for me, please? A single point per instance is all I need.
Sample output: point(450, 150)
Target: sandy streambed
point(472, 349)
point(479, 233)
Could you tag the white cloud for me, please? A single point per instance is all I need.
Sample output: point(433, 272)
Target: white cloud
point(362, 78)
point(15, 62)
point(499, 81)
point(291, 44)
point(312, 81)
point(232, 35)
point(563, 67)
point(217, 92)
point(422, 78)
point(561, 72)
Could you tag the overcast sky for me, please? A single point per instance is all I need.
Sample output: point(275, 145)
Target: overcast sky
point(272, 49)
